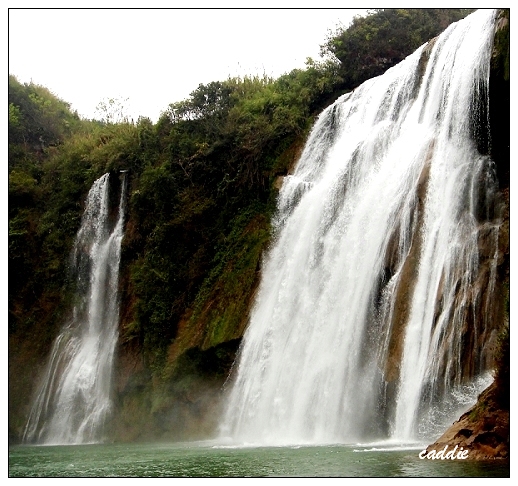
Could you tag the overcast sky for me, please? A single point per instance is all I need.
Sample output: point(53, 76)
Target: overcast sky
point(153, 57)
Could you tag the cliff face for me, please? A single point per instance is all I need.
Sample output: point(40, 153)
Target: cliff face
point(484, 429)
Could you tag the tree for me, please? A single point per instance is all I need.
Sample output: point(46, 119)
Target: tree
point(372, 44)
point(113, 110)
point(37, 120)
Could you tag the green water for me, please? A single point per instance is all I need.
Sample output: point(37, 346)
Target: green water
point(206, 460)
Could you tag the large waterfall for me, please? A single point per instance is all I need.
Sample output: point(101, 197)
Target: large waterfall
point(373, 315)
point(74, 399)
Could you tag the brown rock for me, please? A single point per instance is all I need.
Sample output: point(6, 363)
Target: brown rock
point(483, 430)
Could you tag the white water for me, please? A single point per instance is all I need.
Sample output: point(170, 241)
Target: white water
point(74, 399)
point(376, 236)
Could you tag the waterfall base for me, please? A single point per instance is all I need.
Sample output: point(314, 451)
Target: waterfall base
point(483, 430)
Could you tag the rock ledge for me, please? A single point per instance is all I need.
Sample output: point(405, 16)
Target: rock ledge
point(483, 430)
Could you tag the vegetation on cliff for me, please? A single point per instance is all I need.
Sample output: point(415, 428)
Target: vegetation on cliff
point(201, 195)
point(372, 44)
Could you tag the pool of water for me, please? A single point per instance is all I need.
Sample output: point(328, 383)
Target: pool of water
point(205, 459)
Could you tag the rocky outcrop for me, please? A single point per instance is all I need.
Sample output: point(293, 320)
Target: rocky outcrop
point(483, 430)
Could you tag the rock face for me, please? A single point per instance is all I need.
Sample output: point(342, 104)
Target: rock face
point(483, 430)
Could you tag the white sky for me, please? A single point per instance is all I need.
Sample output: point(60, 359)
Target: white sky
point(154, 57)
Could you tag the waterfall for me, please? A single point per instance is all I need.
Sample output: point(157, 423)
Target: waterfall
point(375, 301)
point(73, 401)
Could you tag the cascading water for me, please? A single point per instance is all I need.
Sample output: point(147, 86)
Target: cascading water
point(73, 401)
point(375, 302)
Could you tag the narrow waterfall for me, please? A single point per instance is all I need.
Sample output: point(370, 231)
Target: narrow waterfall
point(74, 399)
point(373, 314)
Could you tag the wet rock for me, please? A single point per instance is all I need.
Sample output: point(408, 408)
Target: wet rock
point(483, 430)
